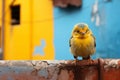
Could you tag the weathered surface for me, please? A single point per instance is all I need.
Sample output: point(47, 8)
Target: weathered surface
point(65, 3)
point(60, 70)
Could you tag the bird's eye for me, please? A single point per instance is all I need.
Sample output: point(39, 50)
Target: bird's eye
point(77, 31)
point(87, 30)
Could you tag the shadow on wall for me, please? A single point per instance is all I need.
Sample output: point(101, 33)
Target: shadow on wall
point(70, 9)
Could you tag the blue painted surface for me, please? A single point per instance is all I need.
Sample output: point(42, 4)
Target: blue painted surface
point(107, 35)
point(40, 49)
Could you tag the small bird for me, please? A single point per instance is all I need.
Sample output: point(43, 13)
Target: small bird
point(82, 42)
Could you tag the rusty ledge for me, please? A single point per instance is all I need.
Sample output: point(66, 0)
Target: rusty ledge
point(98, 69)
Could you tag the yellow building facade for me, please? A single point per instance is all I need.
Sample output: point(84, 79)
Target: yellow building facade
point(28, 30)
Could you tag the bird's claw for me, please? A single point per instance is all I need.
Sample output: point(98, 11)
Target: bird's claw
point(90, 61)
point(75, 61)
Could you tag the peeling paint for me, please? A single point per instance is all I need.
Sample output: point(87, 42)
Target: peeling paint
point(95, 14)
point(111, 63)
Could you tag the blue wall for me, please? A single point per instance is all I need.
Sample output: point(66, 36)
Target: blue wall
point(107, 34)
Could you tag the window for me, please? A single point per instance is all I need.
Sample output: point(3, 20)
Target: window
point(15, 14)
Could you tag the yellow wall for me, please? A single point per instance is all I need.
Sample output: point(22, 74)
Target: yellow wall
point(36, 24)
point(43, 27)
point(0, 21)
point(0, 12)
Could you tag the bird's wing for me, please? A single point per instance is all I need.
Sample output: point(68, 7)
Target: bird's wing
point(70, 41)
point(94, 40)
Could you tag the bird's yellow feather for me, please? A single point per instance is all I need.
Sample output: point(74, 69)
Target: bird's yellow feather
point(82, 42)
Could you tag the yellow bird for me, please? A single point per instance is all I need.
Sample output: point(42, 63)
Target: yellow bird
point(82, 42)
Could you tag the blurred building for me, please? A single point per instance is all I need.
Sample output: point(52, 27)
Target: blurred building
point(40, 29)
point(28, 32)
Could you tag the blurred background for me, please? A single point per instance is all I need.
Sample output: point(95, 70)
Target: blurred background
point(41, 29)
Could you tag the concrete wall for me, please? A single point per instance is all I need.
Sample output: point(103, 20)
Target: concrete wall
point(45, 30)
point(105, 28)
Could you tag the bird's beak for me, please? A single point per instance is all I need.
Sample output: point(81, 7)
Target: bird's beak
point(82, 33)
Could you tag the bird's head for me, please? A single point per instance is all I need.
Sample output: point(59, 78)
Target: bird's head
point(81, 30)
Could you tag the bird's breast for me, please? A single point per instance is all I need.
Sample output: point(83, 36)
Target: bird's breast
point(82, 47)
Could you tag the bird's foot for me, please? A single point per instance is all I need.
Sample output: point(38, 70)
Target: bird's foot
point(75, 61)
point(90, 61)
